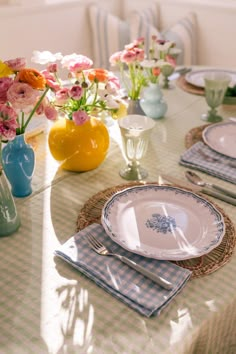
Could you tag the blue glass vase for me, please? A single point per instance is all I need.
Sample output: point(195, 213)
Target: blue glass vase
point(18, 160)
point(152, 102)
point(9, 218)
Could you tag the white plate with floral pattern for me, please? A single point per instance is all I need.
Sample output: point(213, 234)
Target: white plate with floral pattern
point(163, 222)
point(221, 137)
point(196, 77)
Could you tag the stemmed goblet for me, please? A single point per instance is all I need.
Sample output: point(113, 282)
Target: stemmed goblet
point(216, 84)
point(135, 133)
point(168, 69)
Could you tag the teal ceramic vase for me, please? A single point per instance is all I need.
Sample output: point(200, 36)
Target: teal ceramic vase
point(18, 161)
point(9, 218)
point(152, 102)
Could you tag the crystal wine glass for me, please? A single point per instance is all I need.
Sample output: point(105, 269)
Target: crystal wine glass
point(135, 132)
point(216, 84)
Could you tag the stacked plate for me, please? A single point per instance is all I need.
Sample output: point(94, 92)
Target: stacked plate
point(221, 137)
point(196, 78)
point(163, 222)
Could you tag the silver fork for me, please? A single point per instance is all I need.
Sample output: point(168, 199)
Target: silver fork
point(101, 249)
point(215, 159)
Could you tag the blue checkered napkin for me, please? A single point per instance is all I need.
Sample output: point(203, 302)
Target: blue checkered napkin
point(192, 158)
point(117, 278)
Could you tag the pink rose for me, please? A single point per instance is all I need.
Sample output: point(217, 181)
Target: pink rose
point(50, 80)
point(140, 54)
point(139, 41)
point(80, 117)
point(115, 58)
point(62, 96)
point(8, 122)
point(16, 64)
point(113, 80)
point(21, 96)
point(50, 112)
point(52, 68)
point(171, 60)
point(41, 108)
point(130, 46)
point(128, 56)
point(5, 83)
point(76, 62)
point(76, 92)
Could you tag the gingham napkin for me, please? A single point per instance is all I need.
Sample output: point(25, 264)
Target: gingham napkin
point(192, 158)
point(117, 278)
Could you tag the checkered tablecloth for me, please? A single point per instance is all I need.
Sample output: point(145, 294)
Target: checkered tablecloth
point(117, 278)
point(47, 306)
point(194, 159)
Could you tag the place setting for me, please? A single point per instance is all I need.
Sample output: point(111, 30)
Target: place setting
point(212, 150)
point(143, 241)
point(193, 82)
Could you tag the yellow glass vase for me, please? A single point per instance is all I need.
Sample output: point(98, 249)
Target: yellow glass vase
point(79, 147)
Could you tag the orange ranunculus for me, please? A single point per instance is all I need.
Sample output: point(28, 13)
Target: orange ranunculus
point(33, 78)
point(156, 71)
point(101, 75)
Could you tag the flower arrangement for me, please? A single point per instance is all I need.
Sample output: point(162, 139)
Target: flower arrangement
point(142, 68)
point(8, 126)
point(89, 91)
point(25, 92)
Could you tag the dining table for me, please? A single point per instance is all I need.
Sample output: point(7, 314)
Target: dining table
point(48, 306)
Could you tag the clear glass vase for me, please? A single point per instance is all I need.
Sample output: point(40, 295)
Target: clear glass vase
point(9, 218)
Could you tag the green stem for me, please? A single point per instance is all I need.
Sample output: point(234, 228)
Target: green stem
point(1, 167)
point(23, 128)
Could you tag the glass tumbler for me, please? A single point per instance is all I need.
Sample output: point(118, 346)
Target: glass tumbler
point(135, 133)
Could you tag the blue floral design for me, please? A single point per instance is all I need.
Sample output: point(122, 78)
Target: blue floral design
point(161, 223)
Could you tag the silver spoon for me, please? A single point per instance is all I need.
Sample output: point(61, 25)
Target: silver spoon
point(196, 179)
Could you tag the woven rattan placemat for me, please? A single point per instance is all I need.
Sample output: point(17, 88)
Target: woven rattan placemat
point(91, 213)
point(184, 85)
point(194, 135)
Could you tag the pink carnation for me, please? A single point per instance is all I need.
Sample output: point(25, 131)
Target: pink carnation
point(50, 80)
point(50, 112)
point(22, 96)
point(115, 58)
point(128, 56)
point(76, 62)
point(171, 60)
point(16, 64)
point(76, 92)
point(140, 54)
point(41, 108)
point(8, 122)
point(52, 68)
point(113, 81)
point(5, 83)
point(62, 96)
point(80, 117)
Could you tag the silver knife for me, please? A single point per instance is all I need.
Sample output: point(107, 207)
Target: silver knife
point(178, 73)
point(197, 189)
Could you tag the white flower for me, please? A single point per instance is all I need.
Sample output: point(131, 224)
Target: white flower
point(164, 47)
point(112, 103)
point(45, 57)
point(151, 63)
